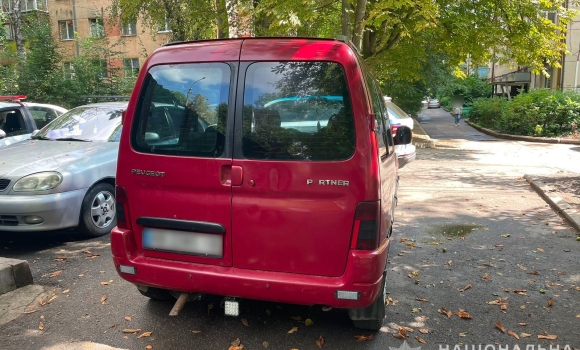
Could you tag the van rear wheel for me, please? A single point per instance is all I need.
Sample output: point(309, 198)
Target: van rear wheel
point(155, 293)
point(372, 316)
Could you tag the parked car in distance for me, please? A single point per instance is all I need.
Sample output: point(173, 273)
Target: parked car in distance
point(64, 176)
point(274, 188)
point(19, 119)
point(397, 117)
point(433, 103)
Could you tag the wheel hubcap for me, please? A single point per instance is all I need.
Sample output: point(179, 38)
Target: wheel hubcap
point(103, 209)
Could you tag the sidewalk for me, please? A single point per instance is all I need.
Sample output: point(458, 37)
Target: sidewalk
point(560, 190)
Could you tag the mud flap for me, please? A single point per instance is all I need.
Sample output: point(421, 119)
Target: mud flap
point(375, 311)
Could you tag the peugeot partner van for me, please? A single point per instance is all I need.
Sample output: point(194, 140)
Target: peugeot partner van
point(258, 168)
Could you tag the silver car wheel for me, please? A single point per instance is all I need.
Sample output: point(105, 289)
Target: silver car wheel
point(103, 209)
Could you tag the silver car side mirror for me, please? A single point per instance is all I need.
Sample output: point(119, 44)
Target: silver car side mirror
point(2, 134)
point(34, 133)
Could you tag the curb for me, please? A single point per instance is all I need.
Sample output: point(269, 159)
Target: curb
point(560, 206)
point(14, 274)
point(522, 138)
point(420, 137)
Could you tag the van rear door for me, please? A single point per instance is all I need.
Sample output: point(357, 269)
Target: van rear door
point(179, 190)
point(295, 143)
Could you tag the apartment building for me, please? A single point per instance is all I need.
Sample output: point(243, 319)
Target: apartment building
point(507, 80)
point(83, 19)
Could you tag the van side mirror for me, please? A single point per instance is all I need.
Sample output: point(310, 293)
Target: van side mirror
point(403, 135)
point(2, 134)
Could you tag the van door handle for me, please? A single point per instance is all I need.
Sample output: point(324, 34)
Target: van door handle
point(237, 175)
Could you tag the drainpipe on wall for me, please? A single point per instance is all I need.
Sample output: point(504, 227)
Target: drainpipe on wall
point(75, 26)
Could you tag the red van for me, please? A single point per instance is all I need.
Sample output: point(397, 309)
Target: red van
point(258, 168)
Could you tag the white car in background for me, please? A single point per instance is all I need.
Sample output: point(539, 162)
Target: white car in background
point(397, 117)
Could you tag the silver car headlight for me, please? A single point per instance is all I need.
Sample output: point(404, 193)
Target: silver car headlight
point(38, 182)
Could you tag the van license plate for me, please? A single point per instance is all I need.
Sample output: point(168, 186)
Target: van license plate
point(183, 242)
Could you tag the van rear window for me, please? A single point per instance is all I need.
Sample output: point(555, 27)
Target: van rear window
point(184, 110)
point(297, 111)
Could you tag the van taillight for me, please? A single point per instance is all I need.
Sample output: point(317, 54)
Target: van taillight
point(121, 206)
point(365, 233)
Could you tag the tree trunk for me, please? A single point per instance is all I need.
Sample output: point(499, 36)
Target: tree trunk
point(359, 15)
point(345, 20)
point(16, 18)
point(222, 19)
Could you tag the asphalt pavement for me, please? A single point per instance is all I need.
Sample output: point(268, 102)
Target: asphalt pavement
point(478, 259)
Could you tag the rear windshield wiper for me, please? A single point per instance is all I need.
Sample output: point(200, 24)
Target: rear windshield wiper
point(73, 139)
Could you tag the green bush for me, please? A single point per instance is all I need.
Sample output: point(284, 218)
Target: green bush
point(486, 111)
point(540, 112)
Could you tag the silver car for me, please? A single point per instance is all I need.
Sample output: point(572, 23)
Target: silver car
point(64, 176)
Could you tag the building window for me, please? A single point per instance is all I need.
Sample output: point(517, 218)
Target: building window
point(68, 70)
point(8, 31)
point(164, 28)
point(67, 31)
point(129, 28)
point(27, 5)
point(96, 27)
point(103, 72)
point(131, 66)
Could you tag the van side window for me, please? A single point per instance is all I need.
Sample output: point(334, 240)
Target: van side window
point(184, 110)
point(297, 111)
point(379, 110)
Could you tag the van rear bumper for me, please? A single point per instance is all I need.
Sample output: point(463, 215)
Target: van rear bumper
point(363, 274)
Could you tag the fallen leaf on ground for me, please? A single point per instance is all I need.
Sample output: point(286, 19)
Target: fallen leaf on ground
point(513, 334)
point(106, 283)
point(498, 245)
point(469, 286)
point(500, 326)
point(540, 250)
point(547, 336)
point(525, 335)
point(265, 344)
point(293, 330)
point(245, 322)
point(41, 326)
point(503, 307)
point(520, 291)
point(127, 318)
point(550, 302)
point(463, 334)
point(104, 298)
point(60, 258)
point(364, 337)
point(522, 267)
point(446, 312)
point(408, 329)
point(308, 322)
point(422, 299)
point(236, 342)
point(55, 274)
point(486, 277)
point(464, 314)
point(65, 291)
point(420, 340)
point(416, 310)
point(320, 342)
point(195, 332)
point(145, 334)
point(424, 331)
point(506, 235)
point(149, 347)
point(522, 323)
point(129, 330)
point(534, 273)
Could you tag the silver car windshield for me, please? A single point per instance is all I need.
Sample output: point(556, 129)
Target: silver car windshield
point(84, 124)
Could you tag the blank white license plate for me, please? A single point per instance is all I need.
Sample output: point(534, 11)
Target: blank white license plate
point(183, 242)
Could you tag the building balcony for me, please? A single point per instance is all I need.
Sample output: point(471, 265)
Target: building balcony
point(26, 6)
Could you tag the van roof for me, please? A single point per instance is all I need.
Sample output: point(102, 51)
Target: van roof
point(251, 38)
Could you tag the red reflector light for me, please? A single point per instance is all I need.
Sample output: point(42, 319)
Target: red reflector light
point(121, 206)
point(366, 226)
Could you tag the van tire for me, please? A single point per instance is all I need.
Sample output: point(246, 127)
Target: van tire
point(156, 293)
point(374, 314)
point(98, 214)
